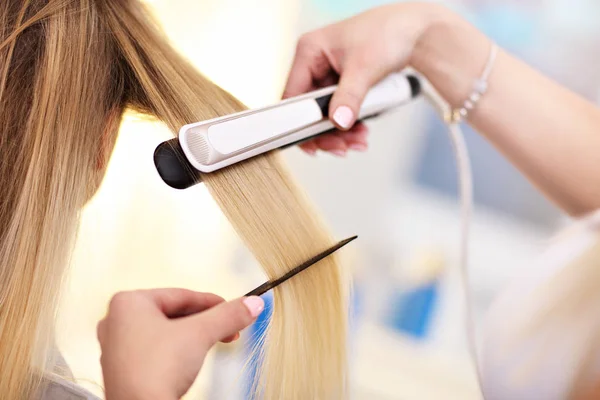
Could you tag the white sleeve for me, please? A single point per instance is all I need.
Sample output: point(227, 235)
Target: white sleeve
point(538, 363)
point(55, 388)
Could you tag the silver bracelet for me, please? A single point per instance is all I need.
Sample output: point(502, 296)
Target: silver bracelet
point(479, 89)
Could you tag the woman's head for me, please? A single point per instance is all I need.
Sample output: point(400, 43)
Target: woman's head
point(68, 69)
point(59, 85)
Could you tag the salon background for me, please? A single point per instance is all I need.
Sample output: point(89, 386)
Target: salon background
point(400, 198)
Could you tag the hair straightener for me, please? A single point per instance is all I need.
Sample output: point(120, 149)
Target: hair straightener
point(207, 146)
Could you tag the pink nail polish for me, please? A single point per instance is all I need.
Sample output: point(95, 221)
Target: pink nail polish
point(339, 153)
point(255, 305)
point(343, 116)
point(358, 146)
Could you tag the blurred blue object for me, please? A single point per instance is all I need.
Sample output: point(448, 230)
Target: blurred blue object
point(412, 310)
point(254, 344)
point(257, 331)
point(497, 184)
point(580, 17)
point(345, 8)
point(511, 26)
point(356, 303)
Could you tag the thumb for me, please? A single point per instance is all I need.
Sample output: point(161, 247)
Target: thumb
point(355, 81)
point(226, 319)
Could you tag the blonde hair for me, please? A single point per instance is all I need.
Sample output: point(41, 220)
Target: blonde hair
point(69, 69)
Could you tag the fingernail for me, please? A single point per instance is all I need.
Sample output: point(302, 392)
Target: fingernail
point(358, 146)
point(236, 337)
point(255, 305)
point(343, 116)
point(339, 153)
point(310, 152)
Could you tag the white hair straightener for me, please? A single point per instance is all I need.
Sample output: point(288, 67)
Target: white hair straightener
point(207, 146)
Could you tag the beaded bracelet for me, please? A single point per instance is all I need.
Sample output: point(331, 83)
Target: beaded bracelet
point(479, 89)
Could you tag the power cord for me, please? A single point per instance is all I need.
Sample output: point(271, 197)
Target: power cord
point(465, 183)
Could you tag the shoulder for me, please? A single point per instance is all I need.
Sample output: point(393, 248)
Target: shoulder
point(56, 388)
point(532, 334)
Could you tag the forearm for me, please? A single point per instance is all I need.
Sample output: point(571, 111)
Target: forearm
point(550, 134)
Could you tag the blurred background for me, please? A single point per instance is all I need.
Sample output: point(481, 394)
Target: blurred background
point(408, 335)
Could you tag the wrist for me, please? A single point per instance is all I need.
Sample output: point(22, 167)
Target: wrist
point(451, 54)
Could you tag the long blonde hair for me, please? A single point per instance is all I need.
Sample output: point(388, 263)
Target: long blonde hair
point(68, 70)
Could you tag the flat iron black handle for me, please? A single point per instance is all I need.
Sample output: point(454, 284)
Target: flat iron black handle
point(173, 166)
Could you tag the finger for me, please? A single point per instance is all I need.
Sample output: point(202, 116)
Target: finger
point(226, 319)
point(299, 80)
point(352, 140)
point(358, 131)
point(310, 65)
point(332, 78)
point(101, 330)
point(355, 81)
point(176, 303)
point(332, 143)
point(232, 338)
point(359, 145)
point(309, 147)
point(359, 128)
point(356, 138)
